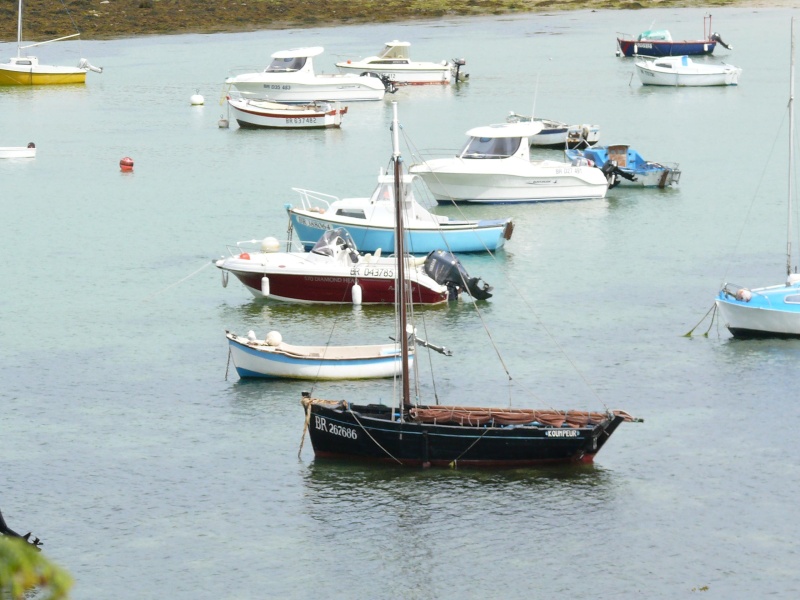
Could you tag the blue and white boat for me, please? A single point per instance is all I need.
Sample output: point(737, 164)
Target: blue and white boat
point(628, 165)
point(371, 222)
point(774, 311)
point(272, 358)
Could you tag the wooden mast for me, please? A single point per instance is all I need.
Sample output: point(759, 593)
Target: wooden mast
point(399, 236)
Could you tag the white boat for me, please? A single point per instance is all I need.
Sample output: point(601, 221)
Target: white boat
point(28, 151)
point(774, 311)
point(291, 78)
point(251, 113)
point(274, 358)
point(682, 71)
point(495, 167)
point(26, 70)
point(394, 63)
point(371, 221)
point(335, 273)
point(556, 134)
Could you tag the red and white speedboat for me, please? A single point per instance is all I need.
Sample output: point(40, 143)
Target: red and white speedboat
point(334, 272)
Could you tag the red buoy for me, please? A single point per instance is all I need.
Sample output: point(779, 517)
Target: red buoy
point(244, 256)
point(126, 164)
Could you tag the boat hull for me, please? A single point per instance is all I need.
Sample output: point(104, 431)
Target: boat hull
point(663, 48)
point(435, 75)
point(483, 236)
point(693, 75)
point(332, 88)
point(772, 312)
point(281, 362)
point(17, 152)
point(369, 433)
point(544, 184)
point(270, 115)
point(15, 75)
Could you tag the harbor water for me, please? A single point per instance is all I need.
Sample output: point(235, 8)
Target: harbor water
point(149, 470)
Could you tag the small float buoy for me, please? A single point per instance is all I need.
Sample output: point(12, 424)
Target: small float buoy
point(126, 164)
point(31, 145)
point(197, 99)
point(223, 122)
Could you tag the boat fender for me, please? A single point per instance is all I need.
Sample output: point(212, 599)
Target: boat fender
point(270, 244)
point(224, 279)
point(244, 256)
point(265, 286)
point(356, 294)
point(31, 145)
point(273, 338)
point(744, 295)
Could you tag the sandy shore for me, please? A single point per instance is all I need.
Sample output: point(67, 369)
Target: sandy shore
point(104, 19)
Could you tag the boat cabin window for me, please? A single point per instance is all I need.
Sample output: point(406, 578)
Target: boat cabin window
point(396, 61)
point(487, 147)
point(385, 192)
point(351, 212)
point(792, 299)
point(22, 62)
point(332, 238)
point(664, 65)
point(285, 65)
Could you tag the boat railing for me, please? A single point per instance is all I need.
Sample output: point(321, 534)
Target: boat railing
point(312, 200)
point(268, 244)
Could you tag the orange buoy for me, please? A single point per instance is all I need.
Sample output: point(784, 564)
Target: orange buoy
point(244, 256)
point(126, 164)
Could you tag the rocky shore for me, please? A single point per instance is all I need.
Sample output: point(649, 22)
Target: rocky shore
point(105, 19)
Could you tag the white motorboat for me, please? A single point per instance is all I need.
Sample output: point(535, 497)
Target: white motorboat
point(274, 358)
point(251, 113)
point(394, 63)
point(495, 167)
point(28, 151)
point(27, 70)
point(682, 71)
point(291, 78)
point(559, 135)
point(333, 272)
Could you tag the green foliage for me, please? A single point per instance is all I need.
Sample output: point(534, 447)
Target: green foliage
point(24, 568)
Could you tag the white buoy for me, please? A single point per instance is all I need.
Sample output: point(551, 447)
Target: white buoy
point(265, 286)
point(197, 99)
point(274, 339)
point(223, 122)
point(270, 244)
point(224, 279)
point(356, 293)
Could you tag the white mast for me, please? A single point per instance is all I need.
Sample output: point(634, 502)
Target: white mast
point(791, 157)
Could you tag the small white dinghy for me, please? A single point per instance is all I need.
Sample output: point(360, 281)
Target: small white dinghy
point(272, 358)
point(252, 113)
point(684, 72)
point(28, 151)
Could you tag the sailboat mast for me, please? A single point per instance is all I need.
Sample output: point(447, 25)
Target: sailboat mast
point(791, 156)
point(19, 29)
point(399, 236)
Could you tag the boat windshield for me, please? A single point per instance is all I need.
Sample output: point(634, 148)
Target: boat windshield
point(487, 147)
point(286, 65)
point(326, 245)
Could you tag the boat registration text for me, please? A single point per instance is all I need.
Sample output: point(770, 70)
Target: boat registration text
point(321, 424)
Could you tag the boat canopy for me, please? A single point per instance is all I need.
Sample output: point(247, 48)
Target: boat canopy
point(396, 49)
point(300, 52)
point(507, 130)
point(655, 35)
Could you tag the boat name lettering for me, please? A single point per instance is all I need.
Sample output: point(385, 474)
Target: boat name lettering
point(325, 279)
point(562, 433)
point(312, 223)
point(373, 272)
point(321, 424)
point(568, 170)
point(640, 45)
point(300, 120)
point(268, 86)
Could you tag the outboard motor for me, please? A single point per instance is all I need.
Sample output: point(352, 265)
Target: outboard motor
point(444, 268)
point(388, 84)
point(456, 70)
point(714, 37)
point(614, 174)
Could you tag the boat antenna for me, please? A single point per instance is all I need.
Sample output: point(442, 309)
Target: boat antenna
point(791, 157)
point(400, 284)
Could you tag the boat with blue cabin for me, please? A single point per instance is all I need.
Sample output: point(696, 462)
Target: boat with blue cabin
point(628, 165)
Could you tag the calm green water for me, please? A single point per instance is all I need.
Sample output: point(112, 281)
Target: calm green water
point(148, 474)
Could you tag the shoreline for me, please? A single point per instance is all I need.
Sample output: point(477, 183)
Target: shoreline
point(112, 19)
